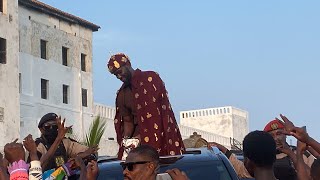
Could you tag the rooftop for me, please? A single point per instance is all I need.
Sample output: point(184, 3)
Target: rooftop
point(42, 7)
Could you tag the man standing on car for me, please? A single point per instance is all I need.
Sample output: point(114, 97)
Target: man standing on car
point(143, 111)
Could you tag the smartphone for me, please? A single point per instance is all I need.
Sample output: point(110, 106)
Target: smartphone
point(163, 176)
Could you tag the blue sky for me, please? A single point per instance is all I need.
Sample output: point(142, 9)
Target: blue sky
point(262, 57)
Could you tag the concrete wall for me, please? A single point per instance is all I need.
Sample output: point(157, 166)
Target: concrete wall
point(186, 132)
point(110, 147)
point(108, 144)
point(9, 76)
point(224, 121)
point(34, 26)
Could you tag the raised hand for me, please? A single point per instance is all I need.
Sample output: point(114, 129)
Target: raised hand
point(14, 151)
point(300, 134)
point(176, 174)
point(285, 149)
point(288, 125)
point(62, 130)
point(92, 170)
point(29, 144)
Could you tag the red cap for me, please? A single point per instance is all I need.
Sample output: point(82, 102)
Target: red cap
point(273, 125)
point(118, 60)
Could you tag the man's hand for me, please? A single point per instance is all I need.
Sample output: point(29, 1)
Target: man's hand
point(61, 129)
point(301, 147)
point(286, 149)
point(29, 144)
point(288, 125)
point(14, 151)
point(300, 134)
point(92, 170)
point(176, 174)
point(219, 146)
point(90, 150)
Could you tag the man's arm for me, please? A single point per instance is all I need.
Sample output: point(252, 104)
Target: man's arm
point(238, 165)
point(76, 149)
point(303, 171)
point(35, 171)
point(3, 169)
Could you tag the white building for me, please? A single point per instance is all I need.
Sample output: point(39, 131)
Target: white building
point(226, 121)
point(9, 72)
point(109, 146)
point(45, 66)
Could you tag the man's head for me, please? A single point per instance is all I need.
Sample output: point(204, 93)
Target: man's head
point(275, 129)
point(315, 169)
point(48, 127)
point(120, 66)
point(259, 151)
point(141, 162)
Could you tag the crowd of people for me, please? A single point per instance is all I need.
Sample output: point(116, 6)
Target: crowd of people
point(146, 129)
point(51, 156)
point(267, 155)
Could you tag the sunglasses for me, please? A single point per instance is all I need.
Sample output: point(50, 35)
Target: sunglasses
point(47, 127)
point(130, 165)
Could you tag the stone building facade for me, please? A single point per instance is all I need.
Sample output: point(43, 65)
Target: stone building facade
point(9, 72)
point(48, 68)
point(226, 121)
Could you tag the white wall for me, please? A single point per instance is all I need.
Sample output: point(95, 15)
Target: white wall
point(33, 27)
point(109, 147)
point(9, 76)
point(224, 121)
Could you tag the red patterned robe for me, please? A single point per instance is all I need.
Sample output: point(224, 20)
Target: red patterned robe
point(157, 125)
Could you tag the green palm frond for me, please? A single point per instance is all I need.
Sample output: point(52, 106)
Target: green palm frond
point(96, 131)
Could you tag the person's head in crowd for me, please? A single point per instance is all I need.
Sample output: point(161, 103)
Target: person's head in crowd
point(315, 170)
point(120, 66)
point(259, 151)
point(48, 127)
point(275, 129)
point(141, 162)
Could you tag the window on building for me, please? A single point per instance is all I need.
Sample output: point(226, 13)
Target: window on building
point(65, 94)
point(20, 85)
point(1, 6)
point(43, 48)
point(83, 62)
point(84, 98)
point(3, 50)
point(65, 56)
point(44, 88)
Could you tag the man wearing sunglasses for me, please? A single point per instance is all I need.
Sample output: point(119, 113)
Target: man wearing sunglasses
point(53, 148)
point(141, 163)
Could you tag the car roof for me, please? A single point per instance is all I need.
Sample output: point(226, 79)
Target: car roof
point(200, 154)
